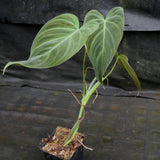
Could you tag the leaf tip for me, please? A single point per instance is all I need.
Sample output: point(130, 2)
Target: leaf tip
point(9, 64)
point(4, 69)
point(138, 93)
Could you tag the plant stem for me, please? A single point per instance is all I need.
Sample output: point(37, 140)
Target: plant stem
point(84, 81)
point(72, 133)
point(85, 98)
point(75, 128)
point(91, 84)
point(92, 90)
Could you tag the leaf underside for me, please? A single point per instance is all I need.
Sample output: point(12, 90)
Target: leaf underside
point(57, 41)
point(103, 43)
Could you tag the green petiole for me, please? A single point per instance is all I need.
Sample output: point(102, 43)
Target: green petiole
point(86, 96)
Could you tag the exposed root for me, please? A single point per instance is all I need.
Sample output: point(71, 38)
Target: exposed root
point(74, 96)
point(87, 70)
point(95, 97)
point(91, 149)
point(107, 81)
point(81, 92)
point(81, 119)
point(86, 75)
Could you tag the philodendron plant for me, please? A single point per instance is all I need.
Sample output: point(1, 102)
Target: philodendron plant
point(62, 37)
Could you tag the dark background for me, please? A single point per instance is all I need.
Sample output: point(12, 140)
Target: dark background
point(119, 125)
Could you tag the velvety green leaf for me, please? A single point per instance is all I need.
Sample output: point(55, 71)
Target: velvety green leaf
point(103, 43)
point(57, 41)
point(123, 61)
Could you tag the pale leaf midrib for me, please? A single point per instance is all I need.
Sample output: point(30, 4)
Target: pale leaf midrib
point(57, 44)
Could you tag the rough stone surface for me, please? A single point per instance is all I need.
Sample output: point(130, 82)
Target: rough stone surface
point(140, 15)
point(116, 127)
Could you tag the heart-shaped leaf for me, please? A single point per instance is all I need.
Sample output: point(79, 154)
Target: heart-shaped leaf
point(123, 61)
point(57, 41)
point(103, 43)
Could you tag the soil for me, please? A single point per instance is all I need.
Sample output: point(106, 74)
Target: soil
point(54, 144)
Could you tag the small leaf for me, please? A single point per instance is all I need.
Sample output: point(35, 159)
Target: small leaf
point(57, 41)
point(123, 61)
point(103, 43)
